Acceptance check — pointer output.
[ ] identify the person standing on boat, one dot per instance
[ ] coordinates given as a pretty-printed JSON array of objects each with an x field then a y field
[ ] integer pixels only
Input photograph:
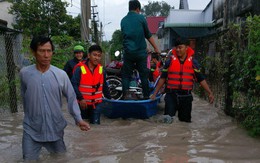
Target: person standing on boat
[
  {"x": 180, "y": 71},
  {"x": 78, "y": 57},
  {"x": 42, "y": 88},
  {"x": 135, "y": 30},
  {"x": 88, "y": 81}
]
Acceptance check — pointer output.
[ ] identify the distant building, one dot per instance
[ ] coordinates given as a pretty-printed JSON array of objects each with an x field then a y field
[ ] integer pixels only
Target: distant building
[
  {"x": 186, "y": 23},
  {"x": 184, "y": 4},
  {"x": 154, "y": 22},
  {"x": 10, "y": 40},
  {"x": 4, "y": 15},
  {"x": 204, "y": 28},
  {"x": 197, "y": 25}
]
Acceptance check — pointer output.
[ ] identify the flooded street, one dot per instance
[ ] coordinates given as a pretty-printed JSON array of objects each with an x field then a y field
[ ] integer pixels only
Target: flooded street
[{"x": 212, "y": 137}]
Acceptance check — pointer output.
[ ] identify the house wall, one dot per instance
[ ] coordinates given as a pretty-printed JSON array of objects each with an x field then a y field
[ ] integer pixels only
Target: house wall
[
  {"x": 238, "y": 9},
  {"x": 234, "y": 11},
  {"x": 4, "y": 15},
  {"x": 179, "y": 17},
  {"x": 218, "y": 8},
  {"x": 184, "y": 16},
  {"x": 208, "y": 13}
]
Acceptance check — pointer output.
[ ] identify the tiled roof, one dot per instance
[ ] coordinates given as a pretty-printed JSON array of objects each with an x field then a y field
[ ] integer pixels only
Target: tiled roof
[{"x": 153, "y": 23}]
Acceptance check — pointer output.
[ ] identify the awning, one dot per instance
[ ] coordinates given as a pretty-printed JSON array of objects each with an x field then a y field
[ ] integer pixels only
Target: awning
[
  {"x": 197, "y": 25},
  {"x": 188, "y": 30},
  {"x": 192, "y": 32}
]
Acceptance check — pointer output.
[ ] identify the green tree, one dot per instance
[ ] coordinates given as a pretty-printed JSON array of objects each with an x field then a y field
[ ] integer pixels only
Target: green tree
[
  {"x": 72, "y": 27},
  {"x": 38, "y": 17},
  {"x": 156, "y": 9},
  {"x": 116, "y": 43}
]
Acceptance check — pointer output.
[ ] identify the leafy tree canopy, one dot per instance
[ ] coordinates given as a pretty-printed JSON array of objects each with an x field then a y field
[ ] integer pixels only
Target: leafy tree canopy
[
  {"x": 39, "y": 17},
  {"x": 72, "y": 27},
  {"x": 156, "y": 9},
  {"x": 116, "y": 43}
]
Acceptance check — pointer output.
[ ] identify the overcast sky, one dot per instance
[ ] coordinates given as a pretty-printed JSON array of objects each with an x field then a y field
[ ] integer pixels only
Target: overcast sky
[{"x": 110, "y": 12}]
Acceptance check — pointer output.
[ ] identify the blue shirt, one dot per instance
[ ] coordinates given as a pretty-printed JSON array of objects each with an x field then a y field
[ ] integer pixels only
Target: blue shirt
[{"x": 42, "y": 101}]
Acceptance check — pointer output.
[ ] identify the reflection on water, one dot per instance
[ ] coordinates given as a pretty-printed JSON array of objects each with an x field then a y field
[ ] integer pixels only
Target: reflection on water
[
  {"x": 205, "y": 159},
  {"x": 212, "y": 137}
]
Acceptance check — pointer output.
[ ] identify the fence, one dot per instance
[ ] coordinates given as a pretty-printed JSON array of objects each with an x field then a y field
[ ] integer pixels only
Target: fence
[{"x": 11, "y": 61}]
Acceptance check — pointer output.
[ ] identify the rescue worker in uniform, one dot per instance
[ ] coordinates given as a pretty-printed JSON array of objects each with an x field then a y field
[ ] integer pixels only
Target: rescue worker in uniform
[
  {"x": 180, "y": 72},
  {"x": 78, "y": 57},
  {"x": 88, "y": 81},
  {"x": 156, "y": 65}
]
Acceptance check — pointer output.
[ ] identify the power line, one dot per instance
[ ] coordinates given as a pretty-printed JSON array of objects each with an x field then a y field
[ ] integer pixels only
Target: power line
[
  {"x": 75, "y": 2},
  {"x": 71, "y": 4},
  {"x": 73, "y": 12},
  {"x": 94, "y": 4}
]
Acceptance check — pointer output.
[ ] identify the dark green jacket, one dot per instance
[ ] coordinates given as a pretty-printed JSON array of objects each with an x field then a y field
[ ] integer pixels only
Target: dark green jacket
[{"x": 134, "y": 30}]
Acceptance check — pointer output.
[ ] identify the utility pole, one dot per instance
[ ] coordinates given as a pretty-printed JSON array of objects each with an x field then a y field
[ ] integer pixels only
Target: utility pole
[
  {"x": 85, "y": 20},
  {"x": 94, "y": 15},
  {"x": 102, "y": 27},
  {"x": 101, "y": 33}
]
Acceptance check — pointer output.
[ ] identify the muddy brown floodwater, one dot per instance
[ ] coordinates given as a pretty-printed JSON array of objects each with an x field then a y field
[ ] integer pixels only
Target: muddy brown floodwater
[{"x": 212, "y": 137}]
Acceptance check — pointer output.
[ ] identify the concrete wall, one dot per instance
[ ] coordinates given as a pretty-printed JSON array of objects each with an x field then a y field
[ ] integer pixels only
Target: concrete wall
[
  {"x": 208, "y": 13},
  {"x": 234, "y": 11}
]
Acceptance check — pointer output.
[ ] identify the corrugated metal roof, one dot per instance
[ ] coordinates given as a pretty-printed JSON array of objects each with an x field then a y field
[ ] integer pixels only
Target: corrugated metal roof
[{"x": 184, "y": 16}]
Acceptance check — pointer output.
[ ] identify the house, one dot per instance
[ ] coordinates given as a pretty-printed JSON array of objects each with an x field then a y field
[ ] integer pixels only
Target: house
[
  {"x": 191, "y": 24},
  {"x": 10, "y": 40},
  {"x": 154, "y": 22},
  {"x": 233, "y": 11},
  {"x": 197, "y": 25},
  {"x": 4, "y": 15}
]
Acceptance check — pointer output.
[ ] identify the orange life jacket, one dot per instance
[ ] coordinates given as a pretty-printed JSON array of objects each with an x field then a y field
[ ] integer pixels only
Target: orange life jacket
[
  {"x": 156, "y": 71},
  {"x": 78, "y": 65},
  {"x": 91, "y": 84},
  {"x": 181, "y": 76}
]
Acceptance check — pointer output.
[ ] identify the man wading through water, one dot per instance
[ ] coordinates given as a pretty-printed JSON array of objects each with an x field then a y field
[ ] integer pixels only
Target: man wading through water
[
  {"x": 180, "y": 71},
  {"x": 42, "y": 88},
  {"x": 89, "y": 83}
]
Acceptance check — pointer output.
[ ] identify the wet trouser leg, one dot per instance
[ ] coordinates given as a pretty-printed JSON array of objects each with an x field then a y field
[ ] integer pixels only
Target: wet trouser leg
[
  {"x": 141, "y": 66},
  {"x": 31, "y": 148},
  {"x": 138, "y": 61},
  {"x": 185, "y": 107},
  {"x": 95, "y": 114},
  {"x": 127, "y": 71},
  {"x": 170, "y": 104},
  {"x": 85, "y": 113}
]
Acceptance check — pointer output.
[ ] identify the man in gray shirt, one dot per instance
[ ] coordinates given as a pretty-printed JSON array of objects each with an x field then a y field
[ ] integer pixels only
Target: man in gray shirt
[{"x": 42, "y": 88}]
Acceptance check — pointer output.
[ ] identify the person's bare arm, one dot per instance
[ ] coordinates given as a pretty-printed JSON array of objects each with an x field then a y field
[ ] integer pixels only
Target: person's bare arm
[
  {"x": 157, "y": 88},
  {"x": 205, "y": 85},
  {"x": 84, "y": 126},
  {"x": 152, "y": 42}
]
